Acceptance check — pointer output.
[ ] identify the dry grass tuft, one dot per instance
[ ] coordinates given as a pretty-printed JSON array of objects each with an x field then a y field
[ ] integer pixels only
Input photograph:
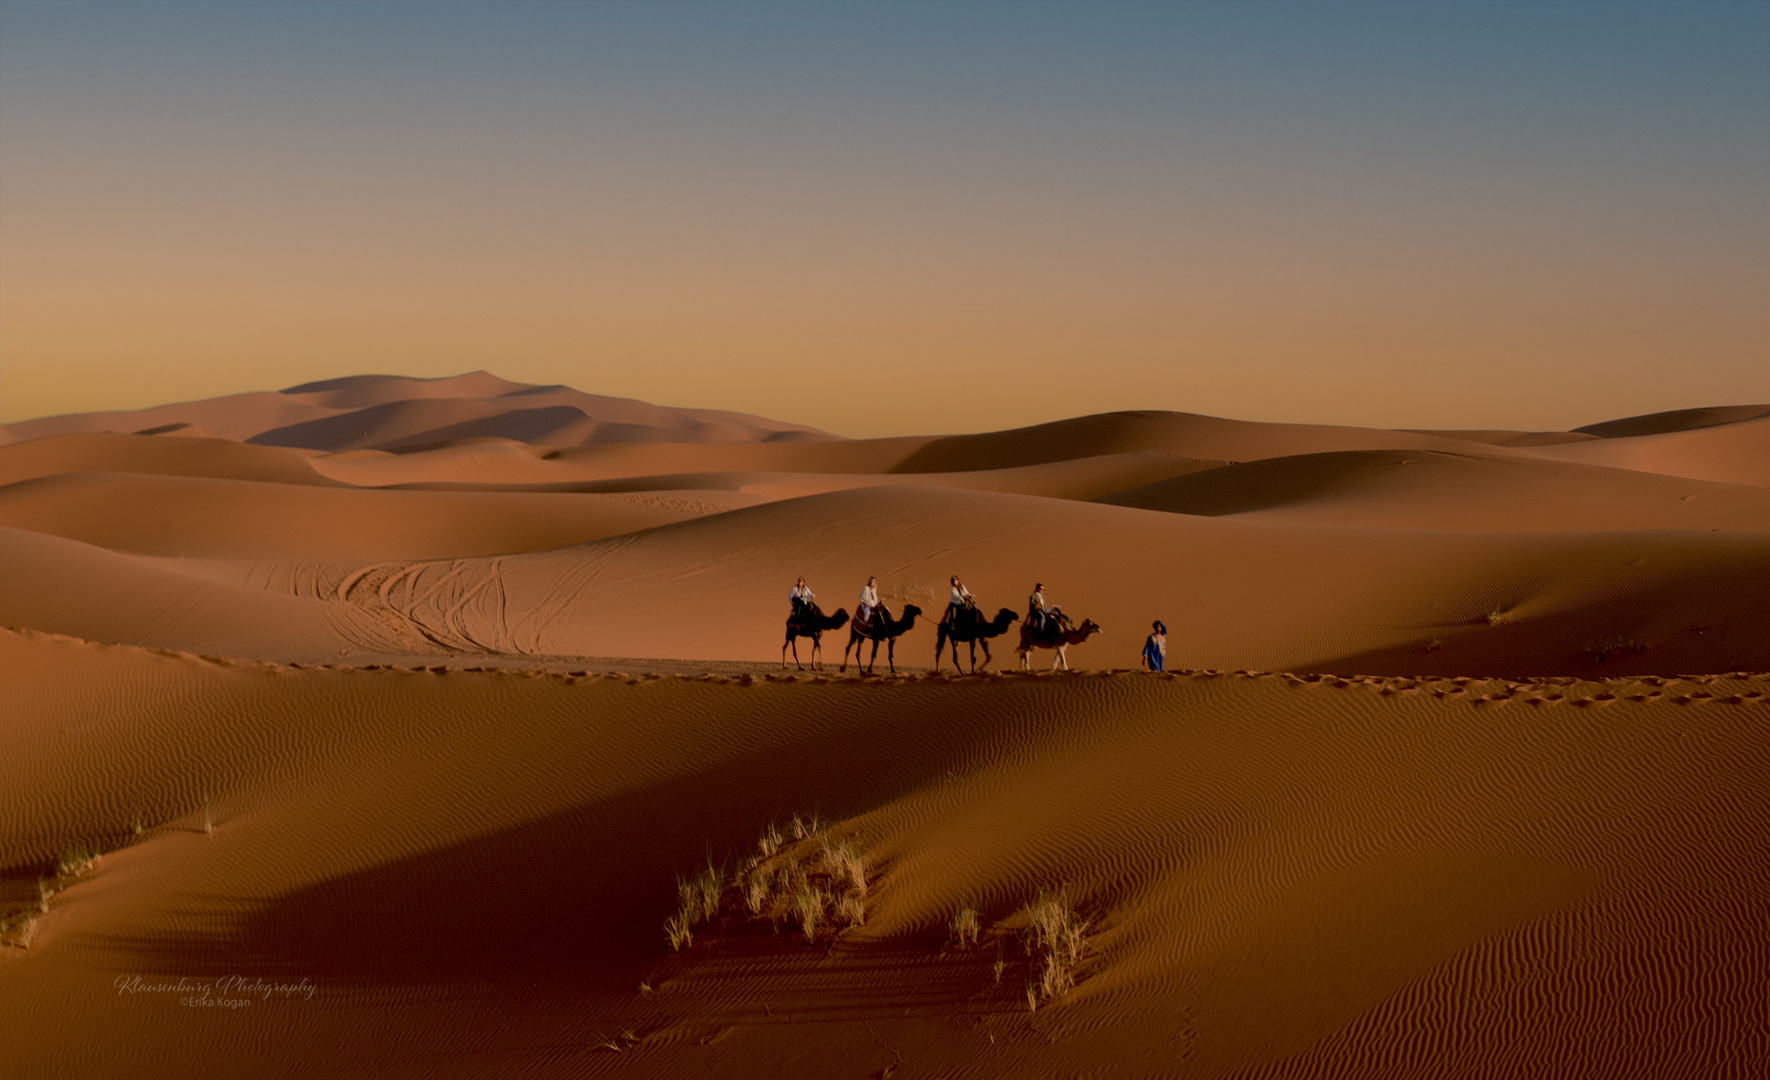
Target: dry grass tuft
[
  {"x": 18, "y": 928},
  {"x": 966, "y": 925},
  {"x": 679, "y": 933},
  {"x": 1054, "y": 939},
  {"x": 806, "y": 827},
  {"x": 75, "y": 860},
  {"x": 811, "y": 881}
]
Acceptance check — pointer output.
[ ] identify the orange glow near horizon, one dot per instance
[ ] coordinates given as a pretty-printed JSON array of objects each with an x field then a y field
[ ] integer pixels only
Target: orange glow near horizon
[{"x": 874, "y": 269}]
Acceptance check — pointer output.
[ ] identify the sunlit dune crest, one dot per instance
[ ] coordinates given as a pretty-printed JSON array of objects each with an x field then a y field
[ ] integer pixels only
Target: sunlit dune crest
[{"x": 424, "y": 705}]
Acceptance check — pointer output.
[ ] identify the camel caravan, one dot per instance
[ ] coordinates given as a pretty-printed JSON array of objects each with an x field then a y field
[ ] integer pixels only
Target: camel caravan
[{"x": 1045, "y": 627}]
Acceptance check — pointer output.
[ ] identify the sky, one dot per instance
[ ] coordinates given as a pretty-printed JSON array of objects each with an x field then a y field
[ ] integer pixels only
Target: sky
[{"x": 896, "y": 218}]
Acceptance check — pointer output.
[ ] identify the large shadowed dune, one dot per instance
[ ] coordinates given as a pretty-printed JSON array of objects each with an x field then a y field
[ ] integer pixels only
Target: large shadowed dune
[
  {"x": 1676, "y": 420},
  {"x": 1181, "y": 434}
]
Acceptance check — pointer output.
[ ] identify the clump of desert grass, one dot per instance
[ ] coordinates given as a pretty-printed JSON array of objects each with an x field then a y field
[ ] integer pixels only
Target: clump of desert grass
[
  {"x": 804, "y": 878},
  {"x": 76, "y": 860},
  {"x": 697, "y": 901},
  {"x": 18, "y": 922},
  {"x": 1055, "y": 937},
  {"x": 17, "y": 928},
  {"x": 965, "y": 925}
]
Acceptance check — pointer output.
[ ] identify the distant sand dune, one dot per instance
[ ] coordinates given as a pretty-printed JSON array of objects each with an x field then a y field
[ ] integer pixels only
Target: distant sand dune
[
  {"x": 1421, "y": 489},
  {"x": 218, "y": 458},
  {"x": 381, "y": 410},
  {"x": 201, "y": 517}
]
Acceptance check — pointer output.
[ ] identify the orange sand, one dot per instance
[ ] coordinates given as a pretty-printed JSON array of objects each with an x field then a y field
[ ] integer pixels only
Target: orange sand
[{"x": 460, "y": 684}]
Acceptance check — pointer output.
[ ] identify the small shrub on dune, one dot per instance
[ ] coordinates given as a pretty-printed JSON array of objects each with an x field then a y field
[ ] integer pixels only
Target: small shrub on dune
[
  {"x": 17, "y": 929},
  {"x": 843, "y": 861},
  {"x": 678, "y": 932},
  {"x": 697, "y": 902},
  {"x": 758, "y": 886},
  {"x": 966, "y": 925},
  {"x": 811, "y": 881},
  {"x": 851, "y": 910},
  {"x": 809, "y": 903},
  {"x": 75, "y": 860},
  {"x": 708, "y": 886},
  {"x": 1054, "y": 939}
]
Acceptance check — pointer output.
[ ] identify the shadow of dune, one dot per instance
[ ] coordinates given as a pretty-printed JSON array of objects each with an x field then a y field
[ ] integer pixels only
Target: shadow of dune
[
  {"x": 1682, "y": 625},
  {"x": 580, "y": 894}
]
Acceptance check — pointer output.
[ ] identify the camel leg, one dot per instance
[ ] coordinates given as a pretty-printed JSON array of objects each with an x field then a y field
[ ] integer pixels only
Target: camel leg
[
  {"x": 986, "y": 657},
  {"x": 891, "y": 654},
  {"x": 939, "y": 644},
  {"x": 1061, "y": 659},
  {"x": 817, "y": 653},
  {"x": 794, "y": 642}
]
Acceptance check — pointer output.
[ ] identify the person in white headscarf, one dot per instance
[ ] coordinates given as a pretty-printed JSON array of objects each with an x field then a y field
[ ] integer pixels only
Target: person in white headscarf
[
  {"x": 958, "y": 598},
  {"x": 800, "y": 597},
  {"x": 869, "y": 602}
]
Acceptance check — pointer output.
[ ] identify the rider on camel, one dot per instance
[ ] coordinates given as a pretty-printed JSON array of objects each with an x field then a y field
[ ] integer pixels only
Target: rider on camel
[
  {"x": 801, "y": 598},
  {"x": 1040, "y": 616},
  {"x": 869, "y": 603},
  {"x": 958, "y": 599},
  {"x": 1036, "y": 611}
]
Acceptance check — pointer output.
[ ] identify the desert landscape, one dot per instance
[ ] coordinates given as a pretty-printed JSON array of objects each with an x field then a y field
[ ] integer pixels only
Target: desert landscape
[{"x": 387, "y": 726}]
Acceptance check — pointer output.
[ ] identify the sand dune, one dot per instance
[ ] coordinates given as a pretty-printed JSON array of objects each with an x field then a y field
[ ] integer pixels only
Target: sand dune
[
  {"x": 1676, "y": 420},
  {"x": 1181, "y": 434},
  {"x": 421, "y": 716},
  {"x": 91, "y": 592},
  {"x": 1734, "y": 453},
  {"x": 376, "y": 411},
  {"x": 218, "y": 458},
  {"x": 507, "y": 462},
  {"x": 202, "y": 517},
  {"x": 1421, "y": 489},
  {"x": 1234, "y": 594}
]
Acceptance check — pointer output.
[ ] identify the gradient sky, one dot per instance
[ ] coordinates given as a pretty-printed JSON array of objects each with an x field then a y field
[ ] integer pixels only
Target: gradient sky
[{"x": 896, "y": 218}]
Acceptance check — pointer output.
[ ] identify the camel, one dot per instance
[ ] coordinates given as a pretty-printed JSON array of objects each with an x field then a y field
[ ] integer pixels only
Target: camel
[
  {"x": 812, "y": 624},
  {"x": 880, "y": 628},
  {"x": 969, "y": 626},
  {"x": 1053, "y": 636}
]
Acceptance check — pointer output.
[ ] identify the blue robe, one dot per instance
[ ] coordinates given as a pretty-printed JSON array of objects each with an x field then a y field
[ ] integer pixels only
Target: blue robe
[{"x": 1153, "y": 653}]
